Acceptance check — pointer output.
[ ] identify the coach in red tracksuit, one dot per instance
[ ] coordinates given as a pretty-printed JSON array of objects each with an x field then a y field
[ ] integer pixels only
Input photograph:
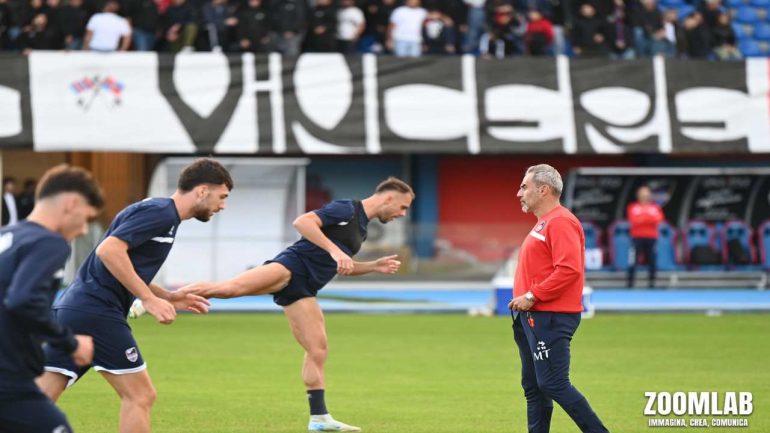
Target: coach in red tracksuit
[
  {"x": 644, "y": 215},
  {"x": 548, "y": 290}
]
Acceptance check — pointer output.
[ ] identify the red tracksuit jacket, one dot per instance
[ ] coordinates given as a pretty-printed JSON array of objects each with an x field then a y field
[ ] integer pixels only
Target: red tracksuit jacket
[{"x": 552, "y": 263}]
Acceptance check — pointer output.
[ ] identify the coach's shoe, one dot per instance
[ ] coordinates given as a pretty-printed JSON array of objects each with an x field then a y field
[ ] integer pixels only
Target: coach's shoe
[{"x": 327, "y": 423}]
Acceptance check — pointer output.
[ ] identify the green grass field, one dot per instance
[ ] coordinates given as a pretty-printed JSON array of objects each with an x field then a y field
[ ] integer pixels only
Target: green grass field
[{"x": 425, "y": 373}]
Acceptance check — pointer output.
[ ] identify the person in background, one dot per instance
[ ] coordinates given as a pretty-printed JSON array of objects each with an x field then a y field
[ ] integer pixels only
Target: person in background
[
  {"x": 644, "y": 216},
  {"x": 350, "y": 26}
]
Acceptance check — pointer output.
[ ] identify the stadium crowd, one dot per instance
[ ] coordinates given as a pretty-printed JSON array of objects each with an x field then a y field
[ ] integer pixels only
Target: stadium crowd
[{"x": 624, "y": 29}]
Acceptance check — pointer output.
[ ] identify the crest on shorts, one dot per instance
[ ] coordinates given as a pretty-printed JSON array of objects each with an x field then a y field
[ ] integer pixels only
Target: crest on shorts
[
  {"x": 132, "y": 354},
  {"x": 540, "y": 227}
]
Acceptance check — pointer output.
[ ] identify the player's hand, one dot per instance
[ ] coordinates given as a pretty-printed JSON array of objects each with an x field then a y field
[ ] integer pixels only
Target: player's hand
[
  {"x": 387, "y": 265},
  {"x": 84, "y": 354},
  {"x": 160, "y": 309},
  {"x": 345, "y": 264},
  {"x": 189, "y": 302},
  {"x": 520, "y": 303},
  {"x": 202, "y": 289}
]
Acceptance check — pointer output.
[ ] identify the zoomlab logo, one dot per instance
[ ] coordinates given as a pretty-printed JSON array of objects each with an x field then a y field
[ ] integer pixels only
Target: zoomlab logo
[
  {"x": 699, "y": 406},
  {"x": 88, "y": 90}
]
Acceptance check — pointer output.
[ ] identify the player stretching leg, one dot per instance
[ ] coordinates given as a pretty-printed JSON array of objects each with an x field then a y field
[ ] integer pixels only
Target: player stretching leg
[{"x": 330, "y": 237}]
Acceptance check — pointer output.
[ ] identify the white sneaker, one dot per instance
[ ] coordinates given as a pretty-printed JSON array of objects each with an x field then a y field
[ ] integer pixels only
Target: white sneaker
[{"x": 327, "y": 423}]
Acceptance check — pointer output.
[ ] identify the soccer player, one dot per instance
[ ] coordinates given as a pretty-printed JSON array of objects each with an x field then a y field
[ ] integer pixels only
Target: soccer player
[
  {"x": 121, "y": 269},
  {"x": 32, "y": 257},
  {"x": 548, "y": 289},
  {"x": 331, "y": 235},
  {"x": 644, "y": 217}
]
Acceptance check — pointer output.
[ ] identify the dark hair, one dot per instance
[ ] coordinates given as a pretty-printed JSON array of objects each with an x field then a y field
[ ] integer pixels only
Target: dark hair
[
  {"x": 8, "y": 179},
  {"x": 204, "y": 171},
  {"x": 394, "y": 184},
  {"x": 65, "y": 178}
]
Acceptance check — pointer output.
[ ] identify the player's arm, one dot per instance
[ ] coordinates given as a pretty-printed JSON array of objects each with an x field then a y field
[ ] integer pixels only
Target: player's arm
[
  {"x": 113, "y": 252},
  {"x": 383, "y": 265},
  {"x": 181, "y": 300},
  {"x": 27, "y": 300},
  {"x": 309, "y": 226}
]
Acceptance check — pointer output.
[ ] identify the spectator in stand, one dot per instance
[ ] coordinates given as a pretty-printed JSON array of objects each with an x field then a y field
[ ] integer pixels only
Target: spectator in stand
[
  {"x": 588, "y": 33},
  {"x": 322, "y": 28},
  {"x": 289, "y": 20},
  {"x": 405, "y": 29},
  {"x": 28, "y": 11},
  {"x": 620, "y": 34},
  {"x": 558, "y": 16},
  {"x": 644, "y": 216},
  {"x": 25, "y": 201},
  {"x": 539, "y": 35},
  {"x": 475, "y": 22},
  {"x": 10, "y": 209},
  {"x": 253, "y": 28},
  {"x": 711, "y": 10},
  {"x": 53, "y": 13},
  {"x": 505, "y": 37},
  {"x": 724, "y": 39},
  {"x": 377, "y": 15},
  {"x": 350, "y": 26},
  {"x": 219, "y": 22},
  {"x": 107, "y": 31},
  {"x": 181, "y": 26},
  {"x": 6, "y": 22},
  {"x": 144, "y": 18},
  {"x": 73, "y": 24},
  {"x": 39, "y": 36},
  {"x": 698, "y": 37},
  {"x": 653, "y": 37},
  {"x": 675, "y": 40},
  {"x": 438, "y": 33}
]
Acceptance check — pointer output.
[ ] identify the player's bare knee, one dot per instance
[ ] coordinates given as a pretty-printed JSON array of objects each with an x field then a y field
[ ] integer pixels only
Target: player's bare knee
[
  {"x": 144, "y": 398},
  {"x": 318, "y": 355}
]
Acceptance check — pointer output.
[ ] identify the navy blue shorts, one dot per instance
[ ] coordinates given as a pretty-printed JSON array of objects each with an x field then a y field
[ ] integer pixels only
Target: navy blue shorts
[
  {"x": 27, "y": 410},
  {"x": 115, "y": 350},
  {"x": 300, "y": 286}
]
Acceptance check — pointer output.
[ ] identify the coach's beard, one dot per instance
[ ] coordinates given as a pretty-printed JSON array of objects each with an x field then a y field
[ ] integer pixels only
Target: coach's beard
[{"x": 524, "y": 207}]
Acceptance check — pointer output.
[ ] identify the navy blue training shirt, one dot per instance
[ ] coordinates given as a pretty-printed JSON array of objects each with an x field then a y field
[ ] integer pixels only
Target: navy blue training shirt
[
  {"x": 149, "y": 228},
  {"x": 314, "y": 261},
  {"x": 32, "y": 262}
]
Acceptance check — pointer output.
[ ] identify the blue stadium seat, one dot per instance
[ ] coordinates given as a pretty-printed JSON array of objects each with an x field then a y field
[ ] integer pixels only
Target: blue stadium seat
[
  {"x": 735, "y": 3},
  {"x": 671, "y": 4},
  {"x": 746, "y": 14},
  {"x": 619, "y": 237},
  {"x": 593, "y": 235},
  {"x": 765, "y": 4},
  {"x": 750, "y": 48},
  {"x": 698, "y": 234},
  {"x": 740, "y": 31},
  {"x": 683, "y": 11},
  {"x": 763, "y": 239},
  {"x": 666, "y": 247},
  {"x": 740, "y": 231},
  {"x": 762, "y": 32}
]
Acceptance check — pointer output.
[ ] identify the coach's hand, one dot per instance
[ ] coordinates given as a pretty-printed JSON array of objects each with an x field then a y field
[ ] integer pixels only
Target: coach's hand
[
  {"x": 345, "y": 264},
  {"x": 160, "y": 309},
  {"x": 84, "y": 354},
  {"x": 520, "y": 304},
  {"x": 387, "y": 265},
  {"x": 189, "y": 302}
]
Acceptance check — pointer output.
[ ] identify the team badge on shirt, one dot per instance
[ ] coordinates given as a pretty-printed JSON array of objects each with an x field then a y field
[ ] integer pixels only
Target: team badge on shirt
[
  {"x": 540, "y": 227},
  {"x": 132, "y": 354}
]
